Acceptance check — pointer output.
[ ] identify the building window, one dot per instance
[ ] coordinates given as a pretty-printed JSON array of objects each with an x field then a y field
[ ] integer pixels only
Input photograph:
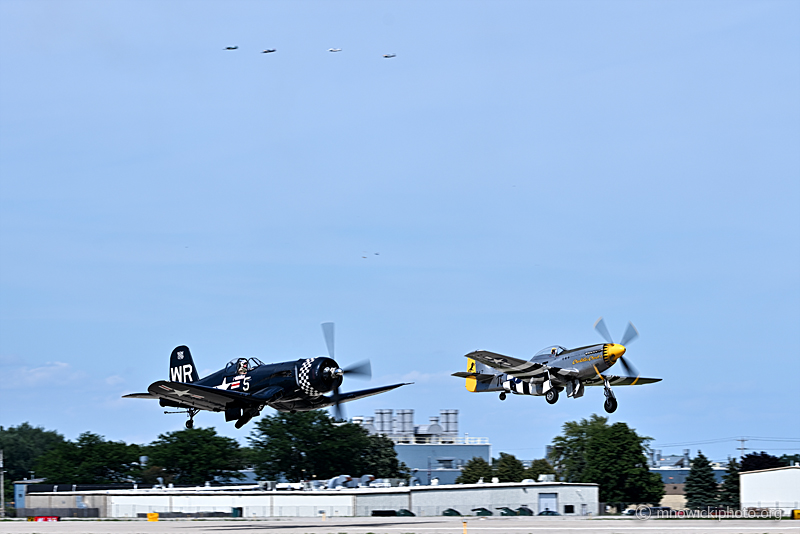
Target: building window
[{"x": 569, "y": 509}]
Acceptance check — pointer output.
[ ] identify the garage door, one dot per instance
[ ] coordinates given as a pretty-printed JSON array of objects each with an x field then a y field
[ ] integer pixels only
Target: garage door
[{"x": 548, "y": 501}]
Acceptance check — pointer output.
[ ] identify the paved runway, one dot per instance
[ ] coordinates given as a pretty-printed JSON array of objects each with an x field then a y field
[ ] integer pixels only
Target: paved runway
[{"x": 410, "y": 525}]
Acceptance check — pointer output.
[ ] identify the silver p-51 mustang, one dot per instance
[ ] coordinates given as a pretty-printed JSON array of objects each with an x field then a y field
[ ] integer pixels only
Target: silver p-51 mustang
[{"x": 554, "y": 369}]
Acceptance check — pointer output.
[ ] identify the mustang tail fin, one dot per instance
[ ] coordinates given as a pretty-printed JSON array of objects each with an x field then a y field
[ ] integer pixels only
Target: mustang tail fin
[
  {"x": 478, "y": 374},
  {"x": 181, "y": 365},
  {"x": 480, "y": 377}
]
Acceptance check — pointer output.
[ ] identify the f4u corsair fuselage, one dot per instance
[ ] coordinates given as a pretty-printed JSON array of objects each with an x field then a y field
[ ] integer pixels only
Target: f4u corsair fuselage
[
  {"x": 245, "y": 386},
  {"x": 552, "y": 370}
]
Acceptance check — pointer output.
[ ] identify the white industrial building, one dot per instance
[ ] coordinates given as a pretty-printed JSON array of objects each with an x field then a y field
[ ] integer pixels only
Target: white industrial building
[
  {"x": 566, "y": 498},
  {"x": 771, "y": 488}
]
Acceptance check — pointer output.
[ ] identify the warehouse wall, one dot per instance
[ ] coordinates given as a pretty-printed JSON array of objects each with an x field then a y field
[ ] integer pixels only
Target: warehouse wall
[
  {"x": 422, "y": 500},
  {"x": 771, "y": 488}
]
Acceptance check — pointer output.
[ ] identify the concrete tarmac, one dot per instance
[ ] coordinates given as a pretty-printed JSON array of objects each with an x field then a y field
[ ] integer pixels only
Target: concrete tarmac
[{"x": 408, "y": 525}]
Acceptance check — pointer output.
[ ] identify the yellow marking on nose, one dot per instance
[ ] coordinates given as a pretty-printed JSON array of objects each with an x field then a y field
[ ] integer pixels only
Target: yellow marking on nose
[{"x": 613, "y": 351}]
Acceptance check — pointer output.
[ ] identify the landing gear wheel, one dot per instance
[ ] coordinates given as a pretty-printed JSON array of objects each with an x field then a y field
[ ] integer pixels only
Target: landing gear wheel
[
  {"x": 190, "y": 424},
  {"x": 503, "y": 396},
  {"x": 610, "y": 405},
  {"x": 551, "y": 396}
]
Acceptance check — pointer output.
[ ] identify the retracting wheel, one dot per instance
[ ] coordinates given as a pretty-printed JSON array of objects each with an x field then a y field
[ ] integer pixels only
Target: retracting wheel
[
  {"x": 610, "y": 405},
  {"x": 191, "y": 412},
  {"x": 551, "y": 396},
  {"x": 503, "y": 396},
  {"x": 611, "y": 401}
]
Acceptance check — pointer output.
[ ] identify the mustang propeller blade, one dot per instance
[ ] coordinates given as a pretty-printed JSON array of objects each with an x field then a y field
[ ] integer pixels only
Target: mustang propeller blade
[
  {"x": 629, "y": 368},
  {"x": 630, "y": 334},
  {"x": 600, "y": 326}
]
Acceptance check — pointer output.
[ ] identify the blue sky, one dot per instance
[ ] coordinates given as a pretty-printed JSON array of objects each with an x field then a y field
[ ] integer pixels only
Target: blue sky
[{"x": 520, "y": 169}]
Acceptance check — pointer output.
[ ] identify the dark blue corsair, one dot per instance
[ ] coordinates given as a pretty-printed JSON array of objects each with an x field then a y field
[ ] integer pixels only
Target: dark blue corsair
[{"x": 245, "y": 386}]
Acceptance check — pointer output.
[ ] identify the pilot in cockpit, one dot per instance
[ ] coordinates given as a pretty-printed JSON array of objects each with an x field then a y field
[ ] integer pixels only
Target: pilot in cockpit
[
  {"x": 241, "y": 366},
  {"x": 553, "y": 352}
]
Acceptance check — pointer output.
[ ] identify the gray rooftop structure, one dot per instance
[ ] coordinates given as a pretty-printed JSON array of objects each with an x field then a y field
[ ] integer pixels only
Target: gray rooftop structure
[{"x": 434, "y": 452}]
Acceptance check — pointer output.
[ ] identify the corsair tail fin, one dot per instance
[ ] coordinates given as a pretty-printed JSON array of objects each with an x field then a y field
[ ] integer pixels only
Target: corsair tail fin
[{"x": 181, "y": 365}]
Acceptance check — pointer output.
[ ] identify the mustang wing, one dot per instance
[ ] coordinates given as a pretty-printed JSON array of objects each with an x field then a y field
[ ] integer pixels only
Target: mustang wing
[
  {"x": 620, "y": 380},
  {"x": 516, "y": 367},
  {"x": 196, "y": 396}
]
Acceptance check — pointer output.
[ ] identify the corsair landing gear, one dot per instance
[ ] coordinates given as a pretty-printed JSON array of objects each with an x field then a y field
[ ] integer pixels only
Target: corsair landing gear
[
  {"x": 610, "y": 405},
  {"x": 190, "y": 423},
  {"x": 503, "y": 396},
  {"x": 551, "y": 396},
  {"x": 246, "y": 416}
]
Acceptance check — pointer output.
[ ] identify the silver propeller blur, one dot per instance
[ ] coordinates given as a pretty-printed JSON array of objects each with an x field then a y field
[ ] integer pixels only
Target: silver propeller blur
[
  {"x": 630, "y": 334},
  {"x": 327, "y": 331},
  {"x": 600, "y": 326},
  {"x": 362, "y": 369}
]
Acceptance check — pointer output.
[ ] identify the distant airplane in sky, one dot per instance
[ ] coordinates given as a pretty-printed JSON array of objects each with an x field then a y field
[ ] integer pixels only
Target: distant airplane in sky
[
  {"x": 231, "y": 47},
  {"x": 334, "y": 50},
  {"x": 387, "y": 56},
  {"x": 268, "y": 51}
]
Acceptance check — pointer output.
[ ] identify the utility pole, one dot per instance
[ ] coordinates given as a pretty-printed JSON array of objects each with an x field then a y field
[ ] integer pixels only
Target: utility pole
[
  {"x": 2, "y": 487},
  {"x": 741, "y": 448}
]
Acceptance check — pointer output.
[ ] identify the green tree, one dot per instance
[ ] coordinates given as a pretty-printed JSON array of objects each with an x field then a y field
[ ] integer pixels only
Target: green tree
[
  {"x": 568, "y": 454},
  {"x": 22, "y": 446},
  {"x": 380, "y": 459},
  {"x": 701, "y": 489},
  {"x": 249, "y": 457},
  {"x": 508, "y": 469},
  {"x": 292, "y": 445},
  {"x": 756, "y": 461},
  {"x": 89, "y": 460},
  {"x": 303, "y": 445},
  {"x": 195, "y": 456},
  {"x": 729, "y": 496},
  {"x": 617, "y": 461},
  {"x": 539, "y": 467},
  {"x": 474, "y": 470}
]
